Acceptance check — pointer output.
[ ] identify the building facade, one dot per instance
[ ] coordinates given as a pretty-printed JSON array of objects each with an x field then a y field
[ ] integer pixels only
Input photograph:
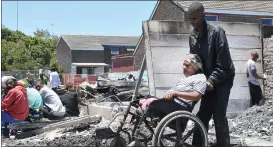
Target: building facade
[
  {"x": 260, "y": 12},
  {"x": 85, "y": 54}
]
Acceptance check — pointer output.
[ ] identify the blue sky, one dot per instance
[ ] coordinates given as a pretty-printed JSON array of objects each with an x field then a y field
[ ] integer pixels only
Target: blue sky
[{"x": 120, "y": 18}]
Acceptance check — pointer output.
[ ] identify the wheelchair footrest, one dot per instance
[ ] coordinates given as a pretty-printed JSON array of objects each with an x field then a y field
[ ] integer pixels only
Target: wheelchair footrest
[{"x": 105, "y": 133}]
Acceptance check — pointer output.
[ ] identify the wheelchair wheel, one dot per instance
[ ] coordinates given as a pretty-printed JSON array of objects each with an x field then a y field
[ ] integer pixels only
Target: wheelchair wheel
[{"x": 180, "y": 127}]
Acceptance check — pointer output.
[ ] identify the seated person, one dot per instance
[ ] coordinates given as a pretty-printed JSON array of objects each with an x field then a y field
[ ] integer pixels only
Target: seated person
[
  {"x": 34, "y": 100},
  {"x": 71, "y": 101},
  {"x": 182, "y": 95},
  {"x": 86, "y": 87},
  {"x": 43, "y": 78},
  {"x": 15, "y": 104},
  {"x": 53, "y": 108},
  {"x": 130, "y": 78}
]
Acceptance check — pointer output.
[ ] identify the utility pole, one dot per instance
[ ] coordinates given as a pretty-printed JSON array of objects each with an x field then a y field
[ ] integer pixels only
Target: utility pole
[
  {"x": 52, "y": 25},
  {"x": 17, "y": 15}
]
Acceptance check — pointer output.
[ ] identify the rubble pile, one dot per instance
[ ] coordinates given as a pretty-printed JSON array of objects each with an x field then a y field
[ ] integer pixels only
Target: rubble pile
[{"x": 257, "y": 121}]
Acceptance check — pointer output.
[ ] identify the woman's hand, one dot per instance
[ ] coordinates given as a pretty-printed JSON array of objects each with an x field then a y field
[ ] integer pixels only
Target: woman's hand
[{"x": 170, "y": 95}]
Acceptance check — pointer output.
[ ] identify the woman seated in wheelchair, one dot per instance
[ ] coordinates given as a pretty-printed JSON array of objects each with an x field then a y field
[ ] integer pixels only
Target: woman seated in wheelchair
[{"x": 183, "y": 94}]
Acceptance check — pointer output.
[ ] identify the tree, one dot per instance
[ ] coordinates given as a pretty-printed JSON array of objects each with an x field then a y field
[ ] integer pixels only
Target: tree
[
  {"x": 42, "y": 33},
  {"x": 22, "y": 52}
]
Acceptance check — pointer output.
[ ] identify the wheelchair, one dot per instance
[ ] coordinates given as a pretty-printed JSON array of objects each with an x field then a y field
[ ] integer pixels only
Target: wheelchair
[{"x": 179, "y": 126}]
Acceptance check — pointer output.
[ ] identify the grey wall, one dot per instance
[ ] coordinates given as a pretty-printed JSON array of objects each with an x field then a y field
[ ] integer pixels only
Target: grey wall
[
  {"x": 166, "y": 43},
  {"x": 166, "y": 10},
  {"x": 64, "y": 56},
  {"x": 268, "y": 66},
  {"x": 87, "y": 56}
]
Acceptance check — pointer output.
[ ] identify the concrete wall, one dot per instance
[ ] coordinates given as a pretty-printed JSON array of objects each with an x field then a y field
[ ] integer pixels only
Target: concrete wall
[
  {"x": 268, "y": 66},
  {"x": 166, "y": 10},
  {"x": 64, "y": 56},
  {"x": 166, "y": 43}
]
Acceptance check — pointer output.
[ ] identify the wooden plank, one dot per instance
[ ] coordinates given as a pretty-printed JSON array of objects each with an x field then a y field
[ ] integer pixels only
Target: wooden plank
[
  {"x": 184, "y": 27},
  {"x": 242, "y": 29},
  {"x": 243, "y": 54},
  {"x": 169, "y": 27},
  {"x": 168, "y": 80},
  {"x": 182, "y": 40},
  {"x": 237, "y": 92},
  {"x": 169, "y": 53}
]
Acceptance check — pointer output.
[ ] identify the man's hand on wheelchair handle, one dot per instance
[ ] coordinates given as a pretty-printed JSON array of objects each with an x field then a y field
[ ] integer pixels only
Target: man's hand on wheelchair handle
[{"x": 209, "y": 86}]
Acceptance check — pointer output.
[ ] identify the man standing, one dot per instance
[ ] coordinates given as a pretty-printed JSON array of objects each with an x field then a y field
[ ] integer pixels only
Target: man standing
[
  {"x": 210, "y": 43},
  {"x": 254, "y": 86},
  {"x": 54, "y": 80}
]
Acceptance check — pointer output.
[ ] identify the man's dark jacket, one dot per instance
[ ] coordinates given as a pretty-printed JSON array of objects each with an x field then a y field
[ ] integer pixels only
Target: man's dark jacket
[{"x": 213, "y": 49}]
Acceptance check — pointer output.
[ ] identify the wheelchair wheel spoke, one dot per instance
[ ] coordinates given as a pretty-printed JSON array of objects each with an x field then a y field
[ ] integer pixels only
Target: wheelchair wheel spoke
[
  {"x": 189, "y": 133},
  {"x": 178, "y": 129}
]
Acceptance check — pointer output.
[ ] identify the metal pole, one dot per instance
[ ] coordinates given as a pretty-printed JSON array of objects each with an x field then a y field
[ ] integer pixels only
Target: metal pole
[
  {"x": 17, "y": 15},
  {"x": 142, "y": 68},
  {"x": 52, "y": 29}
]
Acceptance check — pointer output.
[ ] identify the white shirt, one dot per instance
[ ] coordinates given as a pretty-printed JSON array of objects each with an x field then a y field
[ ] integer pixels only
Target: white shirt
[
  {"x": 53, "y": 101},
  {"x": 192, "y": 83},
  {"x": 54, "y": 80},
  {"x": 250, "y": 65}
]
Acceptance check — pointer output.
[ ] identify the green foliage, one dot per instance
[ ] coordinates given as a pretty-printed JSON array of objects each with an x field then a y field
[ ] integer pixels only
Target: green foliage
[{"x": 22, "y": 52}]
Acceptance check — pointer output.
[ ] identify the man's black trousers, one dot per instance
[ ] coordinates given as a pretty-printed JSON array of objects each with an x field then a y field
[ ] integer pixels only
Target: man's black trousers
[
  {"x": 255, "y": 94},
  {"x": 214, "y": 103}
]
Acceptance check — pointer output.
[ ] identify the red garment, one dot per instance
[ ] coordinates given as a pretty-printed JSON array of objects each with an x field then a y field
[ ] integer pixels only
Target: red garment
[{"x": 16, "y": 103}]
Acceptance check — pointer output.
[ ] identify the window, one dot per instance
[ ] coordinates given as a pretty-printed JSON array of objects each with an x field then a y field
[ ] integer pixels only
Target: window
[
  {"x": 267, "y": 21},
  {"x": 130, "y": 49},
  {"x": 114, "y": 51},
  {"x": 87, "y": 70},
  {"x": 211, "y": 17}
]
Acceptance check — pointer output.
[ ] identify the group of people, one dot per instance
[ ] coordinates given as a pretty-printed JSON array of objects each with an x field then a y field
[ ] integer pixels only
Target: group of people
[
  {"x": 26, "y": 100},
  {"x": 209, "y": 73}
]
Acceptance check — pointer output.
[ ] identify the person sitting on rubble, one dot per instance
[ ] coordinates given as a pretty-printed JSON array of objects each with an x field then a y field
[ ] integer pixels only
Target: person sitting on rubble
[
  {"x": 34, "y": 100},
  {"x": 71, "y": 100},
  {"x": 15, "y": 104},
  {"x": 53, "y": 108},
  {"x": 183, "y": 94},
  {"x": 86, "y": 89},
  {"x": 43, "y": 78}
]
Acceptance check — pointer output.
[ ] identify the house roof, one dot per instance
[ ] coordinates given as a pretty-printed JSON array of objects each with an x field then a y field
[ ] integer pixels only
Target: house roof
[
  {"x": 95, "y": 42},
  {"x": 254, "y": 6}
]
